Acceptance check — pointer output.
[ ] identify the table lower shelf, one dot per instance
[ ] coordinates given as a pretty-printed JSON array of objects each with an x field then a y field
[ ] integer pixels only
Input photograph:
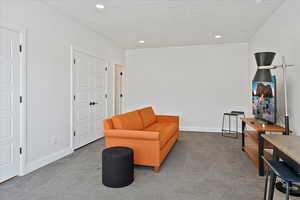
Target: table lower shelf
[
  {"x": 252, "y": 152},
  {"x": 253, "y": 136}
]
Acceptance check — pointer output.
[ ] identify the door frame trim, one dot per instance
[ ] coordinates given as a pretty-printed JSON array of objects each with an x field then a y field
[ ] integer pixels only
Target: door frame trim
[
  {"x": 24, "y": 106},
  {"x": 74, "y": 49}
]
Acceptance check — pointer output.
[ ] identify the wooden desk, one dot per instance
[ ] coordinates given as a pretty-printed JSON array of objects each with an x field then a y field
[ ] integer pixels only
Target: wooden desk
[
  {"x": 288, "y": 149},
  {"x": 255, "y": 151},
  {"x": 288, "y": 145}
]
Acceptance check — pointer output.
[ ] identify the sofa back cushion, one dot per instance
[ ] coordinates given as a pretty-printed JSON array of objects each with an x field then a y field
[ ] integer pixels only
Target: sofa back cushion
[
  {"x": 148, "y": 116},
  {"x": 128, "y": 121}
]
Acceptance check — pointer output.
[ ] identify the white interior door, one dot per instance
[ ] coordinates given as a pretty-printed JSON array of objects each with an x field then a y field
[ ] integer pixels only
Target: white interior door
[
  {"x": 99, "y": 109},
  {"x": 118, "y": 89},
  {"x": 89, "y": 98},
  {"x": 9, "y": 104}
]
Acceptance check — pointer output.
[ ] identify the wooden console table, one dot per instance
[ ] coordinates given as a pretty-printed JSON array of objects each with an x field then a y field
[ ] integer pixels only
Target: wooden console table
[{"x": 258, "y": 147}]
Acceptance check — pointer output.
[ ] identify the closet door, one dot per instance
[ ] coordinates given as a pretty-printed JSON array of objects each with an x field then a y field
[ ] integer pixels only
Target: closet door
[
  {"x": 118, "y": 89},
  {"x": 100, "y": 108},
  {"x": 89, "y": 98},
  {"x": 9, "y": 104}
]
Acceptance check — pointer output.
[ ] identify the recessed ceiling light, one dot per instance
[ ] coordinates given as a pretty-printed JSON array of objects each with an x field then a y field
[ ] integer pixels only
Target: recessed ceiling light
[
  {"x": 100, "y": 6},
  {"x": 141, "y": 41},
  {"x": 218, "y": 36}
]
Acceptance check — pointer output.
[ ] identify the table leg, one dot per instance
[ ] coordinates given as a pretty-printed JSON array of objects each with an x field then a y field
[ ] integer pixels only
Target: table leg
[
  {"x": 243, "y": 135},
  {"x": 275, "y": 154},
  {"x": 266, "y": 185},
  {"x": 272, "y": 185},
  {"x": 237, "y": 126},
  {"x": 273, "y": 178},
  {"x": 261, "y": 167}
]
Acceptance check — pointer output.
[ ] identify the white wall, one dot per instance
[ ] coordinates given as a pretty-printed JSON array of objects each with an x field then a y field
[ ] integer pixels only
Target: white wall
[
  {"x": 49, "y": 37},
  {"x": 281, "y": 34},
  {"x": 198, "y": 83}
]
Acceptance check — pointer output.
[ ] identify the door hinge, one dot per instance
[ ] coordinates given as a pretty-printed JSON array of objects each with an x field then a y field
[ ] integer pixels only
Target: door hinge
[
  {"x": 106, "y": 68},
  {"x": 74, "y": 97},
  {"x": 74, "y": 133},
  {"x": 74, "y": 61},
  {"x": 21, "y": 150},
  {"x": 20, "y": 48},
  {"x": 21, "y": 99},
  {"x": 106, "y": 96}
]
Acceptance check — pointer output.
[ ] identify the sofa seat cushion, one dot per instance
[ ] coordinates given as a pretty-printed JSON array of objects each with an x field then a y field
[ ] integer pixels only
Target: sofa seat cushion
[
  {"x": 128, "y": 121},
  {"x": 148, "y": 116},
  {"x": 166, "y": 131}
]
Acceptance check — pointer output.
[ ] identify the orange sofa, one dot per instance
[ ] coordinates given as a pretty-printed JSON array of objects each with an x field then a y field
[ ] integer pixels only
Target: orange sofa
[{"x": 150, "y": 136}]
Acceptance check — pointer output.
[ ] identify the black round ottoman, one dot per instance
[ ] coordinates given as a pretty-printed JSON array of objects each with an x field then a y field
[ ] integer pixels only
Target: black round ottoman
[{"x": 117, "y": 167}]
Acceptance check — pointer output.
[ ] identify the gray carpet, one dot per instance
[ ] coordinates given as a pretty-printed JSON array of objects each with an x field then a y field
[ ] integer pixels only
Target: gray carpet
[{"x": 200, "y": 166}]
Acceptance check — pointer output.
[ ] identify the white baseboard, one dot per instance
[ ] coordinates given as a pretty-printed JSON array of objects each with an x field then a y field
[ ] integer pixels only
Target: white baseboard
[
  {"x": 200, "y": 129},
  {"x": 47, "y": 160}
]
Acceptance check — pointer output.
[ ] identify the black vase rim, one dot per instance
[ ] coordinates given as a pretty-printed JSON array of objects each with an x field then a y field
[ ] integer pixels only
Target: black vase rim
[{"x": 271, "y": 52}]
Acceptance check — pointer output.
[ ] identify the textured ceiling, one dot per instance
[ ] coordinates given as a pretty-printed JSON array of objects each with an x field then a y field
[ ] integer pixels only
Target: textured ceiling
[{"x": 170, "y": 22}]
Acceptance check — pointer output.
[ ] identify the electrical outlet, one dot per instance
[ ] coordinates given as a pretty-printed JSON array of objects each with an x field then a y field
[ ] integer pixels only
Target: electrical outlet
[{"x": 55, "y": 140}]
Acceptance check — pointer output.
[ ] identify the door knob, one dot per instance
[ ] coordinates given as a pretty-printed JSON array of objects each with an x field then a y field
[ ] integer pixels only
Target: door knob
[{"x": 93, "y": 103}]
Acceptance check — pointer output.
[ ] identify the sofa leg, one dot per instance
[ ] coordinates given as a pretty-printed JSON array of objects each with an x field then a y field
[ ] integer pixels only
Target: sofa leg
[{"x": 157, "y": 169}]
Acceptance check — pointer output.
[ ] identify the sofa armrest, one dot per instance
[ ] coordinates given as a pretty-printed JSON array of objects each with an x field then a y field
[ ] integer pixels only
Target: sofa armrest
[
  {"x": 167, "y": 118},
  {"x": 142, "y": 135}
]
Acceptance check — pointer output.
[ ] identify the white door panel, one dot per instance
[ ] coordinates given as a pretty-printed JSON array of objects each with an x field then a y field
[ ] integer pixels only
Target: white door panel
[
  {"x": 118, "y": 89},
  {"x": 90, "y": 101},
  {"x": 92, "y": 87},
  {"x": 82, "y": 100},
  {"x": 9, "y": 104},
  {"x": 101, "y": 101}
]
